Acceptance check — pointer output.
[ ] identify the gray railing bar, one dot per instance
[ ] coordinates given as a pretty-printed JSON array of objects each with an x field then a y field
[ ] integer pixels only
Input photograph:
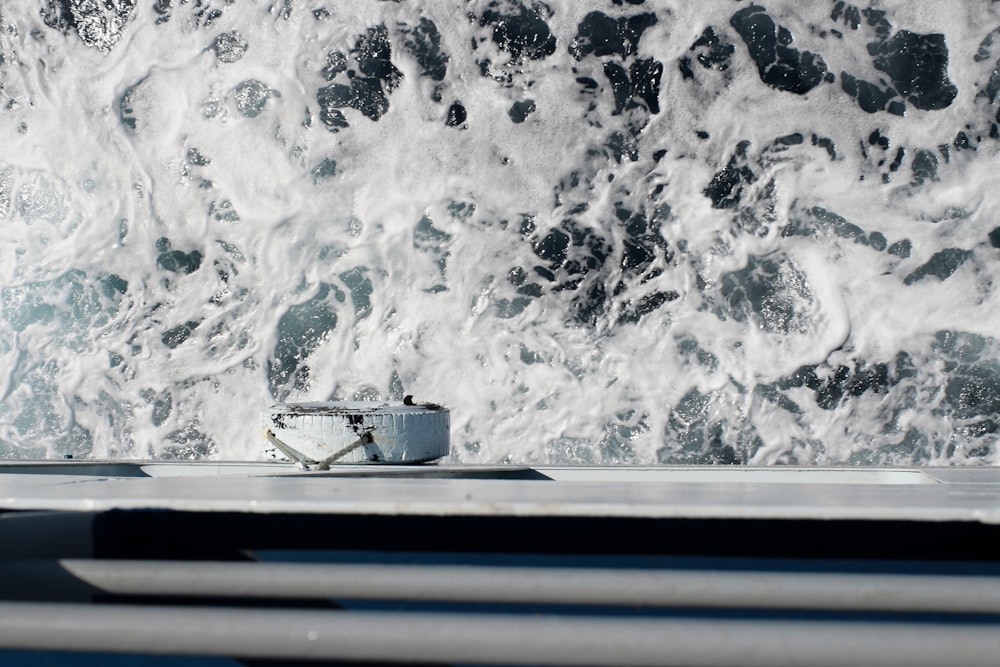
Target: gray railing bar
[
  {"x": 20, "y": 579},
  {"x": 489, "y": 638}
]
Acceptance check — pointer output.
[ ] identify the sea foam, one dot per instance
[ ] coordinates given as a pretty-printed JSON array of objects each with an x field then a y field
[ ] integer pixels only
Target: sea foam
[{"x": 622, "y": 232}]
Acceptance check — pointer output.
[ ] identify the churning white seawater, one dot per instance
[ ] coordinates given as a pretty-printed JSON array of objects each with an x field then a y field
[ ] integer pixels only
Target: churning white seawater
[{"x": 614, "y": 232}]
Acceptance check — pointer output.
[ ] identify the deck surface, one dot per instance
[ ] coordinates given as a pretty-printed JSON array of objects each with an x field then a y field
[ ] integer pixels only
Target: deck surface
[{"x": 918, "y": 494}]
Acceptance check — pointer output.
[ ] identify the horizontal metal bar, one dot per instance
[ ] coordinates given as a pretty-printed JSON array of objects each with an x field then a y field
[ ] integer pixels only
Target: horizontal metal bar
[
  {"x": 489, "y": 638},
  {"x": 28, "y": 580}
]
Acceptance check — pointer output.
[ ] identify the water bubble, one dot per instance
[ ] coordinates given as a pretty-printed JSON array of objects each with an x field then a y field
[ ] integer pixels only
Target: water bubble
[
  {"x": 251, "y": 96},
  {"x": 230, "y": 47}
]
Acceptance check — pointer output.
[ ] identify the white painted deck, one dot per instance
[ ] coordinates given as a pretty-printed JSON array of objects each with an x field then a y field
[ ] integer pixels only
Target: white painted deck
[{"x": 918, "y": 494}]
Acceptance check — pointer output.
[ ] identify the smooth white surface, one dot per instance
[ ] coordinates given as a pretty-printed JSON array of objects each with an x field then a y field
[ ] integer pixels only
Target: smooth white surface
[
  {"x": 742, "y": 475},
  {"x": 657, "y": 492}
]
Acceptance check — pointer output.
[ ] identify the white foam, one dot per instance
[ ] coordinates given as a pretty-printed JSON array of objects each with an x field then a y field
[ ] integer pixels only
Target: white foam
[{"x": 295, "y": 232}]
